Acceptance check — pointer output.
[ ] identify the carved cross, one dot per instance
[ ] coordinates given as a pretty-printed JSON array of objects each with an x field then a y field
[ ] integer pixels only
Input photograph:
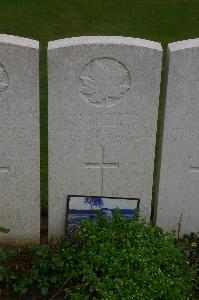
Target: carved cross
[
  {"x": 4, "y": 169},
  {"x": 194, "y": 169},
  {"x": 101, "y": 166}
]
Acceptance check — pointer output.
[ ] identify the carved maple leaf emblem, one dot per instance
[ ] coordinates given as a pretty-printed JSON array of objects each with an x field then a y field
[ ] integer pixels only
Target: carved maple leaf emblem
[
  {"x": 104, "y": 81},
  {"x": 3, "y": 78}
]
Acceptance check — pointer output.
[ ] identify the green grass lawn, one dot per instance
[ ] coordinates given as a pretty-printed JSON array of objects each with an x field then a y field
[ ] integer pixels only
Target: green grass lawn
[{"x": 44, "y": 20}]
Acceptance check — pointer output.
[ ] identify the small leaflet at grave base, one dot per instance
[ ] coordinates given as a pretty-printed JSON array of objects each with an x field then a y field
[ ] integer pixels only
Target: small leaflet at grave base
[{"x": 83, "y": 207}]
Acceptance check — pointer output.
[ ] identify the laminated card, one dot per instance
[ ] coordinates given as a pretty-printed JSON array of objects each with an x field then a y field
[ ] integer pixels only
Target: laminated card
[
  {"x": 19, "y": 140},
  {"x": 87, "y": 207},
  {"x": 103, "y": 105}
]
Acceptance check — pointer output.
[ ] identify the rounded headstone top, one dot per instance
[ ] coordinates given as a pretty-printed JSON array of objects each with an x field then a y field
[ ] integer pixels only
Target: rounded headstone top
[
  {"x": 186, "y": 44},
  {"x": 20, "y": 41},
  {"x": 117, "y": 40}
]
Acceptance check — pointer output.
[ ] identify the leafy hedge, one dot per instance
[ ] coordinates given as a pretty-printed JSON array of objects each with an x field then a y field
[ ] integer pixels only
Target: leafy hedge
[{"x": 111, "y": 259}]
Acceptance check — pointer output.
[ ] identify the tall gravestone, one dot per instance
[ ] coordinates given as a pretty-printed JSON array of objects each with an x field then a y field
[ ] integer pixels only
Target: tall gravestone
[
  {"x": 19, "y": 140},
  {"x": 178, "y": 202},
  {"x": 103, "y": 106}
]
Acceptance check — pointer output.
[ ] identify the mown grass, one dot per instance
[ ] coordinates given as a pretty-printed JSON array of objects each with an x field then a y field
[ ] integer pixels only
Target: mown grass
[{"x": 44, "y": 20}]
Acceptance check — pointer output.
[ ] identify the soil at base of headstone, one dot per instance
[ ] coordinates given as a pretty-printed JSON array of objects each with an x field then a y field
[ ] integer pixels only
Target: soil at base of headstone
[
  {"x": 22, "y": 263},
  {"x": 32, "y": 296}
]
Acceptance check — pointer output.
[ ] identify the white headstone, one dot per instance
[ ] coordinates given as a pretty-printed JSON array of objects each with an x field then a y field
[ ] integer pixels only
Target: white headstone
[
  {"x": 19, "y": 140},
  {"x": 179, "y": 177},
  {"x": 103, "y": 106}
]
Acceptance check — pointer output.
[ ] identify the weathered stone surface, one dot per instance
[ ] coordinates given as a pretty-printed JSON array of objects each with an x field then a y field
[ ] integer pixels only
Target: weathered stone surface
[
  {"x": 103, "y": 104},
  {"x": 19, "y": 140},
  {"x": 179, "y": 178}
]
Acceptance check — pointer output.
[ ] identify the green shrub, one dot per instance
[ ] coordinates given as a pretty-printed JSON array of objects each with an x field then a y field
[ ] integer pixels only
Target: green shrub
[
  {"x": 122, "y": 259},
  {"x": 110, "y": 259}
]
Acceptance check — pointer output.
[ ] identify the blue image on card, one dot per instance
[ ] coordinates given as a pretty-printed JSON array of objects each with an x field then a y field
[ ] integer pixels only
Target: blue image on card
[{"x": 82, "y": 207}]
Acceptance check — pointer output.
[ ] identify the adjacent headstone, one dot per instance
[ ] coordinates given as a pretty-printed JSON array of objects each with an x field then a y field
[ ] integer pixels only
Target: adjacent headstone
[
  {"x": 178, "y": 203},
  {"x": 103, "y": 106},
  {"x": 19, "y": 140},
  {"x": 87, "y": 207}
]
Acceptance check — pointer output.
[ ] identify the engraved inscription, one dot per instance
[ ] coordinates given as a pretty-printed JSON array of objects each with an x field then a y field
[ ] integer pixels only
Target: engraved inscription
[
  {"x": 103, "y": 127},
  {"x": 104, "y": 81},
  {"x": 3, "y": 78},
  {"x": 17, "y": 134},
  {"x": 105, "y": 119}
]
